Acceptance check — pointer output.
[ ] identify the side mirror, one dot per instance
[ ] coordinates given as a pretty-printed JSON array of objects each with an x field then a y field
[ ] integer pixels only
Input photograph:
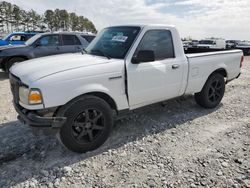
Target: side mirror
[{"x": 143, "y": 56}]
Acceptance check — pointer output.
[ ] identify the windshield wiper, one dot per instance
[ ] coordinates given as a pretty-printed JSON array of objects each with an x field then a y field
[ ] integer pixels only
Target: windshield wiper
[{"x": 102, "y": 53}]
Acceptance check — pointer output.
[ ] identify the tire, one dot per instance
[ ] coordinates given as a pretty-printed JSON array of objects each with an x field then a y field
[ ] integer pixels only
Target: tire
[
  {"x": 89, "y": 123},
  {"x": 212, "y": 92},
  {"x": 12, "y": 61}
]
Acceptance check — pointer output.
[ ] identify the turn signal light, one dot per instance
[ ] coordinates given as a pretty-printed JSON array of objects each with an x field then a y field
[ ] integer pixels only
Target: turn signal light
[{"x": 35, "y": 97}]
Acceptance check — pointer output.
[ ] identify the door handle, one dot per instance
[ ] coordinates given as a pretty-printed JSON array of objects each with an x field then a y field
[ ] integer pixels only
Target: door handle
[
  {"x": 57, "y": 48},
  {"x": 175, "y": 66}
]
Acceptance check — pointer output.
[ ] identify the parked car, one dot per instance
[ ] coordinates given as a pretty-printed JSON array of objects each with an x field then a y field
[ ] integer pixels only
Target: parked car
[
  {"x": 43, "y": 45},
  {"x": 244, "y": 46},
  {"x": 212, "y": 44},
  {"x": 187, "y": 44},
  {"x": 195, "y": 43},
  {"x": 17, "y": 38},
  {"x": 231, "y": 44},
  {"x": 124, "y": 68}
]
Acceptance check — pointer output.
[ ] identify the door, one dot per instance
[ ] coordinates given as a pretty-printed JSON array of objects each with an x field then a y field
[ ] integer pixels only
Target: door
[
  {"x": 150, "y": 82},
  {"x": 47, "y": 45},
  {"x": 71, "y": 44}
]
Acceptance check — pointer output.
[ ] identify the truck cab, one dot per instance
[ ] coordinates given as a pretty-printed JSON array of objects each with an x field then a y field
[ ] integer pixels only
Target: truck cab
[{"x": 17, "y": 38}]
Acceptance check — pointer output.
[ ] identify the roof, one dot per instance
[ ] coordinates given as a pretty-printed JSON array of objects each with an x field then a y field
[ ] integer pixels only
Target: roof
[
  {"x": 23, "y": 33},
  {"x": 67, "y": 33},
  {"x": 144, "y": 25}
]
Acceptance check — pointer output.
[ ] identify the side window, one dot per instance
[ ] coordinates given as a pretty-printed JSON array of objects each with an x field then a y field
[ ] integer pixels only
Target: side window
[
  {"x": 17, "y": 38},
  {"x": 88, "y": 38},
  {"x": 160, "y": 42},
  {"x": 70, "y": 40},
  {"x": 50, "y": 40}
]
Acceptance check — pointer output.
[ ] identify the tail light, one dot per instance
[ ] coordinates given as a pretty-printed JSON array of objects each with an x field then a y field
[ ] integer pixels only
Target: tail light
[{"x": 241, "y": 61}]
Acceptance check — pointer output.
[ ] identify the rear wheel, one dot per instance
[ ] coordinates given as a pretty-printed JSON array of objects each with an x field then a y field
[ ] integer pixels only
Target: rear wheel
[
  {"x": 89, "y": 123},
  {"x": 12, "y": 61},
  {"x": 212, "y": 92}
]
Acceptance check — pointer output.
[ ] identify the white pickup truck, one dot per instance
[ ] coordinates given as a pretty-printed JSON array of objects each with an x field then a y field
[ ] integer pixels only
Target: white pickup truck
[{"x": 124, "y": 68}]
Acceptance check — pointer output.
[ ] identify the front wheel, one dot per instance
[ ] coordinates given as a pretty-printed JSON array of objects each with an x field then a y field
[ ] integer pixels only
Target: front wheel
[
  {"x": 212, "y": 92},
  {"x": 89, "y": 123}
]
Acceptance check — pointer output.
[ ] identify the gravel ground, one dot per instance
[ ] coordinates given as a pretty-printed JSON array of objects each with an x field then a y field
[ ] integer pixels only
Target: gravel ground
[{"x": 177, "y": 144}]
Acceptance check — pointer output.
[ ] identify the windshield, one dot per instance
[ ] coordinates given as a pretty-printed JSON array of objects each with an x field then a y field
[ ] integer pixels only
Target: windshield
[
  {"x": 113, "y": 42},
  {"x": 206, "y": 42},
  {"x": 5, "y": 37},
  {"x": 32, "y": 39}
]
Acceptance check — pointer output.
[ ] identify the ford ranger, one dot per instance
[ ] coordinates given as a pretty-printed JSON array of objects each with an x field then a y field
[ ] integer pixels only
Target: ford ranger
[{"x": 124, "y": 68}]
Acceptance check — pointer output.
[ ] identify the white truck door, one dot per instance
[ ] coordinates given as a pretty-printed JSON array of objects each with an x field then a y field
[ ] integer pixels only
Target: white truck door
[{"x": 161, "y": 79}]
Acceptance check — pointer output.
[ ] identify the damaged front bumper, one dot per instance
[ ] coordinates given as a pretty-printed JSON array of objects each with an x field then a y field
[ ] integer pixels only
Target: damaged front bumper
[{"x": 35, "y": 120}]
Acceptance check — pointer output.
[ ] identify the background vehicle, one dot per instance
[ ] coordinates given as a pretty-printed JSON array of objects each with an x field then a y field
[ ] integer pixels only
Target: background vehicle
[
  {"x": 43, "y": 45},
  {"x": 124, "y": 68},
  {"x": 187, "y": 44},
  {"x": 17, "y": 38},
  {"x": 232, "y": 44},
  {"x": 244, "y": 46},
  {"x": 195, "y": 43},
  {"x": 212, "y": 44}
]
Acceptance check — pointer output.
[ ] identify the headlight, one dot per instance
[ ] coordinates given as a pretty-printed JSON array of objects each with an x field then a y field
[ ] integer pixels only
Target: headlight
[
  {"x": 23, "y": 94},
  {"x": 30, "y": 96}
]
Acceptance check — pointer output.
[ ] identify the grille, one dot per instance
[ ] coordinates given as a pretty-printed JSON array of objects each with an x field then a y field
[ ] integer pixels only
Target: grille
[{"x": 14, "y": 85}]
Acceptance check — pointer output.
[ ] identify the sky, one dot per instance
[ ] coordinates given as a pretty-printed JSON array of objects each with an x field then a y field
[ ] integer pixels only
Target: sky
[{"x": 229, "y": 19}]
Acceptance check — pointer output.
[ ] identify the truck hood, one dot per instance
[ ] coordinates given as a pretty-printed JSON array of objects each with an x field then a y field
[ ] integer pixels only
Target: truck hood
[{"x": 32, "y": 70}]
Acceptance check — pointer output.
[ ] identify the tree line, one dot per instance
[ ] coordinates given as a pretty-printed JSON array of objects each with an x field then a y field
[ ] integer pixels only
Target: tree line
[{"x": 14, "y": 18}]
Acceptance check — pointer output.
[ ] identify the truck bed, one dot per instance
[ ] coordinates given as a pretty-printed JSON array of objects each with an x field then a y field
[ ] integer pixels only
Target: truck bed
[{"x": 202, "y": 64}]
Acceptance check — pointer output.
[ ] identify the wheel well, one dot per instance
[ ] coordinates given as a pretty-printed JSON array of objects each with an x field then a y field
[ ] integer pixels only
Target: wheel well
[
  {"x": 24, "y": 57},
  {"x": 105, "y": 97},
  {"x": 221, "y": 71},
  {"x": 9, "y": 58}
]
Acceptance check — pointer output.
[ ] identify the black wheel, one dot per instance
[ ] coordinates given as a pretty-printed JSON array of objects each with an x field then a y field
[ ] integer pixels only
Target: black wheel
[
  {"x": 89, "y": 123},
  {"x": 212, "y": 92},
  {"x": 11, "y": 62}
]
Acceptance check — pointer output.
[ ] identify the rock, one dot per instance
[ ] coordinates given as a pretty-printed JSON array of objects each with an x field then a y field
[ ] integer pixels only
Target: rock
[
  {"x": 203, "y": 183},
  {"x": 32, "y": 185},
  {"x": 50, "y": 185},
  {"x": 239, "y": 161},
  {"x": 67, "y": 170},
  {"x": 192, "y": 185},
  {"x": 160, "y": 165},
  {"x": 224, "y": 164},
  {"x": 57, "y": 183},
  {"x": 173, "y": 132},
  {"x": 247, "y": 183},
  {"x": 44, "y": 173},
  {"x": 219, "y": 173}
]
